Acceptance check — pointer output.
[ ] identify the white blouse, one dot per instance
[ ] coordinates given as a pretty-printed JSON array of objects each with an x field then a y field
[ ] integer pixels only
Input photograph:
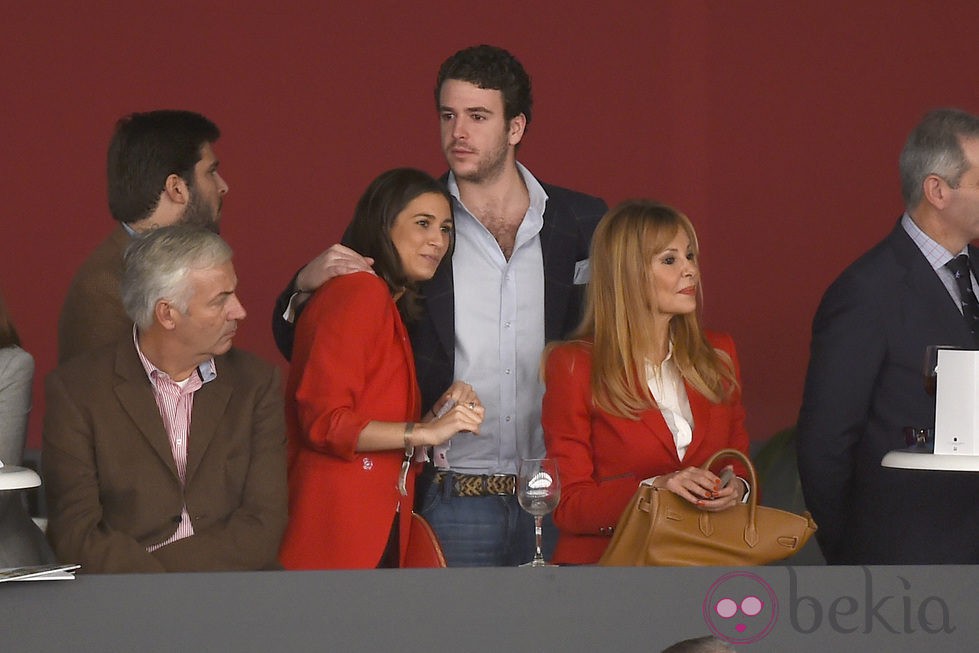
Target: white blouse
[
  {"x": 666, "y": 384},
  {"x": 668, "y": 390}
]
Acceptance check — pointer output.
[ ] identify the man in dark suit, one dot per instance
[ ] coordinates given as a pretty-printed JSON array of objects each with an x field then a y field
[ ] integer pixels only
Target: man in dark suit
[
  {"x": 515, "y": 281},
  {"x": 865, "y": 379},
  {"x": 165, "y": 451},
  {"x": 162, "y": 170}
]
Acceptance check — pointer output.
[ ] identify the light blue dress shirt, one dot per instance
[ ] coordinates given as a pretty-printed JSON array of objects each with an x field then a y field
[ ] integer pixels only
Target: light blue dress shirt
[{"x": 499, "y": 327}]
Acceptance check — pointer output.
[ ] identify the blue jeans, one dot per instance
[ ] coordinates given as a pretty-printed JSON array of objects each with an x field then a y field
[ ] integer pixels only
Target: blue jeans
[{"x": 491, "y": 531}]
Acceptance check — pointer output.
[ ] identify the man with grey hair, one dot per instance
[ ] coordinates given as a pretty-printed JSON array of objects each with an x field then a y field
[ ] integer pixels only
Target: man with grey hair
[
  {"x": 915, "y": 288},
  {"x": 166, "y": 451}
]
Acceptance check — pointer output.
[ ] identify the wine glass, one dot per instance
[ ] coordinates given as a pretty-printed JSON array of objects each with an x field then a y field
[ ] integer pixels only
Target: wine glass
[{"x": 538, "y": 491}]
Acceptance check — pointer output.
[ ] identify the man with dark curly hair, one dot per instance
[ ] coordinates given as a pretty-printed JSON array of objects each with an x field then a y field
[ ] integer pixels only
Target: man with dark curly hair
[{"x": 161, "y": 170}]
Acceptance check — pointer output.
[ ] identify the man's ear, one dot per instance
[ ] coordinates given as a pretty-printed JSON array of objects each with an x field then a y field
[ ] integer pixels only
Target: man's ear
[
  {"x": 176, "y": 189},
  {"x": 516, "y": 129},
  {"x": 165, "y": 313},
  {"x": 935, "y": 191}
]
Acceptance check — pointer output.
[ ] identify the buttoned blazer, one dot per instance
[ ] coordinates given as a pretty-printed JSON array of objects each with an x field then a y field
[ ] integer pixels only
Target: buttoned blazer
[
  {"x": 602, "y": 458},
  {"x": 352, "y": 364},
  {"x": 111, "y": 480},
  {"x": 864, "y": 385},
  {"x": 92, "y": 314},
  {"x": 565, "y": 238}
]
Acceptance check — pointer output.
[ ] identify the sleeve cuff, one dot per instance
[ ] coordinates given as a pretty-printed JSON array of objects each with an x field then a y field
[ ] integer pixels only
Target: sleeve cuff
[{"x": 289, "y": 315}]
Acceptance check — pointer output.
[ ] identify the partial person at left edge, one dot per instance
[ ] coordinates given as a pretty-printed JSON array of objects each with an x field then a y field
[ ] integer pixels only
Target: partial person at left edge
[
  {"x": 162, "y": 170},
  {"x": 21, "y": 541},
  {"x": 165, "y": 451},
  {"x": 16, "y": 378}
]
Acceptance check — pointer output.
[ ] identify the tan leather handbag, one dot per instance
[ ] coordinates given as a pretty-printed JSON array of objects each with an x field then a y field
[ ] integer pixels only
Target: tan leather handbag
[{"x": 658, "y": 528}]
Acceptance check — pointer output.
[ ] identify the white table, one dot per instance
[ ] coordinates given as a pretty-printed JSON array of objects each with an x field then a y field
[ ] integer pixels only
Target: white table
[
  {"x": 918, "y": 459},
  {"x": 18, "y": 478}
]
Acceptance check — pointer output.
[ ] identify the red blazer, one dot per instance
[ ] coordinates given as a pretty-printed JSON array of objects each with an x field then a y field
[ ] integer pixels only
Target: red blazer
[
  {"x": 603, "y": 458},
  {"x": 352, "y": 363}
]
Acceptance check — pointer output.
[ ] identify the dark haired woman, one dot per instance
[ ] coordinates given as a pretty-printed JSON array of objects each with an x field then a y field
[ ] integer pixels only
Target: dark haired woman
[
  {"x": 644, "y": 394},
  {"x": 352, "y": 400}
]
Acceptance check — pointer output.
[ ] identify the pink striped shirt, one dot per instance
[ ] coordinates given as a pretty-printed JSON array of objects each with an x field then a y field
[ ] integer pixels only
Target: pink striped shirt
[{"x": 176, "y": 403}]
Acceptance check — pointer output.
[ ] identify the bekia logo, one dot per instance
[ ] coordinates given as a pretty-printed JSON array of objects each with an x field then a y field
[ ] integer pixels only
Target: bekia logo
[
  {"x": 873, "y": 608},
  {"x": 740, "y": 608}
]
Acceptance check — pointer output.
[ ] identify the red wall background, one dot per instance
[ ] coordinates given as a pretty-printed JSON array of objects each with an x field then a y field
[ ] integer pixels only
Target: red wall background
[{"x": 776, "y": 126}]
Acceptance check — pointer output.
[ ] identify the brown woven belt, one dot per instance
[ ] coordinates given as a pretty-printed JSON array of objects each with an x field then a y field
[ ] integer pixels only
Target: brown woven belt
[{"x": 479, "y": 485}]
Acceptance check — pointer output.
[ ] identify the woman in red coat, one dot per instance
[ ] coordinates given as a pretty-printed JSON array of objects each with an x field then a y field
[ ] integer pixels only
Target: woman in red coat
[
  {"x": 643, "y": 394},
  {"x": 352, "y": 401}
]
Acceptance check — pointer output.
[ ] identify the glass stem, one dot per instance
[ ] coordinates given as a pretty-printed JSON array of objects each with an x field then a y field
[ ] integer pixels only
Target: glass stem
[{"x": 538, "y": 533}]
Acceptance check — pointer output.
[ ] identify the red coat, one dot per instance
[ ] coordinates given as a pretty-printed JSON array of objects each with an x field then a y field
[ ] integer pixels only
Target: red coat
[
  {"x": 603, "y": 458},
  {"x": 352, "y": 363}
]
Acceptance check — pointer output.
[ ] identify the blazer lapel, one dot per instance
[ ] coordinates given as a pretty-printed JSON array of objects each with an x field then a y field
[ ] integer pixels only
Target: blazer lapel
[
  {"x": 210, "y": 403},
  {"x": 699, "y": 410},
  {"x": 701, "y": 413},
  {"x": 440, "y": 304},
  {"x": 414, "y": 398},
  {"x": 135, "y": 395},
  {"x": 655, "y": 422},
  {"x": 557, "y": 246},
  {"x": 931, "y": 298}
]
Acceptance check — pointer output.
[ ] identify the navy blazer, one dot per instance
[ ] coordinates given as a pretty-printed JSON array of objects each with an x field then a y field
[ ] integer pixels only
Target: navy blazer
[
  {"x": 565, "y": 238},
  {"x": 569, "y": 222},
  {"x": 864, "y": 385}
]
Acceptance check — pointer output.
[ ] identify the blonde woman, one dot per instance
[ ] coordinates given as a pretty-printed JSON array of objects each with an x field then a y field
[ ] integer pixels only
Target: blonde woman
[{"x": 642, "y": 393}]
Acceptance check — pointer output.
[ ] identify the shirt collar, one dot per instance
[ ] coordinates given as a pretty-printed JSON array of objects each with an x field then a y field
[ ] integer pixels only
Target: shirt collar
[
  {"x": 936, "y": 254},
  {"x": 538, "y": 196},
  {"x": 207, "y": 370}
]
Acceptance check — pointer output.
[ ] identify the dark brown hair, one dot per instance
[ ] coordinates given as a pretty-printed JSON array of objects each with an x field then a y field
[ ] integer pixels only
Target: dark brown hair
[{"x": 370, "y": 230}]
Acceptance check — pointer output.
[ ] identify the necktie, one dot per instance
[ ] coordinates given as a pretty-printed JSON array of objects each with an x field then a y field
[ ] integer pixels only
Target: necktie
[{"x": 963, "y": 279}]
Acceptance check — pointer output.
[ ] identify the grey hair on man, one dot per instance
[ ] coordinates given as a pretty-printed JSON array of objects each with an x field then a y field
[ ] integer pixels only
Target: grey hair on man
[
  {"x": 156, "y": 265},
  {"x": 934, "y": 147}
]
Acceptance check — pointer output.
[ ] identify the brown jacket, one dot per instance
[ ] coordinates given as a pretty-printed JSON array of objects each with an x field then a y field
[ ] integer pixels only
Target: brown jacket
[
  {"x": 92, "y": 314},
  {"x": 112, "y": 485}
]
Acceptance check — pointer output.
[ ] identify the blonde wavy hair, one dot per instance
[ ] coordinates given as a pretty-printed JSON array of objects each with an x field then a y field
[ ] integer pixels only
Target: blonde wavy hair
[{"x": 618, "y": 311}]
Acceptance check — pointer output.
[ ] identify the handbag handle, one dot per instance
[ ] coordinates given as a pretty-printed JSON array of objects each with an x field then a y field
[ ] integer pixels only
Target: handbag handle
[{"x": 751, "y": 530}]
